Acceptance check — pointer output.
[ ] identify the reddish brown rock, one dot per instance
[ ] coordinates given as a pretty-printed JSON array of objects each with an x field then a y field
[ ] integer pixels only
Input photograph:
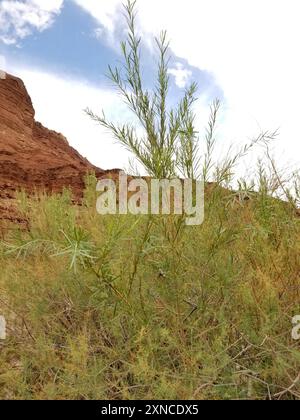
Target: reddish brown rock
[{"x": 31, "y": 156}]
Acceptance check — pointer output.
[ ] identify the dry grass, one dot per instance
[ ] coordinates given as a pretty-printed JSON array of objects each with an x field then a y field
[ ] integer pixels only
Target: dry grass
[{"x": 136, "y": 307}]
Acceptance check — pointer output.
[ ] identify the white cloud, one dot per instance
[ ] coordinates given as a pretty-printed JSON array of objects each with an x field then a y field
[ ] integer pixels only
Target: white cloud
[
  {"x": 2, "y": 62},
  {"x": 104, "y": 12},
  {"x": 18, "y": 19},
  {"x": 249, "y": 46},
  {"x": 59, "y": 103},
  {"x": 181, "y": 75},
  {"x": 109, "y": 16}
]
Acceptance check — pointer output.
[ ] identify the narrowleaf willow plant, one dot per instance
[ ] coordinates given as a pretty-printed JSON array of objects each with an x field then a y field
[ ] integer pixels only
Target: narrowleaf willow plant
[{"x": 169, "y": 145}]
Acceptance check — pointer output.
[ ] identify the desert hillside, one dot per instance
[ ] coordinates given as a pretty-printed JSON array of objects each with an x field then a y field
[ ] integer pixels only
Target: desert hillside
[{"x": 32, "y": 156}]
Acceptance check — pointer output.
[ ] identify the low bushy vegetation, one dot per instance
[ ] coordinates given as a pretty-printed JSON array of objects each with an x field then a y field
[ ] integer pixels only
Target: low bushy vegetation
[{"x": 141, "y": 307}]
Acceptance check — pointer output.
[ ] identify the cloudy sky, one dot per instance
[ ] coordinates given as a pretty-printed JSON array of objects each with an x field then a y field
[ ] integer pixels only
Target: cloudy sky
[{"x": 244, "y": 52}]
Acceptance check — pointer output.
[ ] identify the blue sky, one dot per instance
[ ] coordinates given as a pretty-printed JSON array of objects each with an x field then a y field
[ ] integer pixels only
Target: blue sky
[
  {"x": 242, "y": 54},
  {"x": 70, "y": 46}
]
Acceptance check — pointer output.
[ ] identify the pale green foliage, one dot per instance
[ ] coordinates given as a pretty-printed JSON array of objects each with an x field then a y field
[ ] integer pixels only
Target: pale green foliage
[
  {"x": 131, "y": 307},
  {"x": 170, "y": 143}
]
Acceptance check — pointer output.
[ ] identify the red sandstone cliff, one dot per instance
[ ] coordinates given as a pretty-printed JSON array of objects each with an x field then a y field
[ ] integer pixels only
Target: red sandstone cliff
[{"x": 31, "y": 156}]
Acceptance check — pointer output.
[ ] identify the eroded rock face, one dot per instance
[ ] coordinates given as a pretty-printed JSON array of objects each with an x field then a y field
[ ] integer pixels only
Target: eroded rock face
[{"x": 31, "y": 156}]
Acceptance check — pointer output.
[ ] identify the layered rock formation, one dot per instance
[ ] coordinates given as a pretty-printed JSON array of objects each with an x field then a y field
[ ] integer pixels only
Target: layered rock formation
[{"x": 31, "y": 156}]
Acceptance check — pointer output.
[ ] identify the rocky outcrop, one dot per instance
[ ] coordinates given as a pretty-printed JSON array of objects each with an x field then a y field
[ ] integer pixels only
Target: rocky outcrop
[{"x": 31, "y": 156}]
